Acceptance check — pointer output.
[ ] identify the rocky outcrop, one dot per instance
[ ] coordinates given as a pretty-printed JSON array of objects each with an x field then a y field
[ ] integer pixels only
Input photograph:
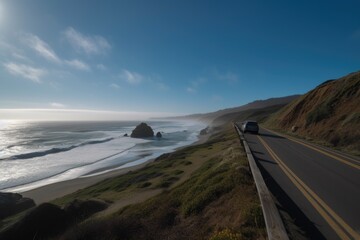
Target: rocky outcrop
[
  {"x": 12, "y": 203},
  {"x": 142, "y": 131},
  {"x": 204, "y": 131},
  {"x": 158, "y": 135},
  {"x": 126, "y": 135}
]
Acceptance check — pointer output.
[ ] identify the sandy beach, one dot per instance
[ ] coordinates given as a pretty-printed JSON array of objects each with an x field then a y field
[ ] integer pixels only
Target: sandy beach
[
  {"x": 55, "y": 190},
  {"x": 59, "y": 189}
]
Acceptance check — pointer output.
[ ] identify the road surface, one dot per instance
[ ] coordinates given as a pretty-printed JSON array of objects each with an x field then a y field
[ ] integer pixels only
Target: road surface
[{"x": 319, "y": 188}]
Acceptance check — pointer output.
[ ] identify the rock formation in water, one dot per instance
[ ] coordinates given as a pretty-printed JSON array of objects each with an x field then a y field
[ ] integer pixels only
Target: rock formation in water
[{"x": 142, "y": 131}]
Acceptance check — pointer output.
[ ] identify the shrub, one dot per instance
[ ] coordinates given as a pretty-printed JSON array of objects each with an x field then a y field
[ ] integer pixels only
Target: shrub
[
  {"x": 144, "y": 185},
  {"x": 167, "y": 182},
  {"x": 226, "y": 234},
  {"x": 318, "y": 114}
]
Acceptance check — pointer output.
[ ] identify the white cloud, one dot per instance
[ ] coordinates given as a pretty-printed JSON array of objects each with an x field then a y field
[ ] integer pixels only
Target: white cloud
[
  {"x": 101, "y": 67},
  {"x": 75, "y": 63},
  {"x": 25, "y": 71},
  {"x": 229, "y": 77},
  {"x": 57, "y": 105},
  {"x": 131, "y": 77},
  {"x": 114, "y": 85},
  {"x": 191, "y": 90},
  {"x": 41, "y": 47},
  {"x": 86, "y": 44},
  {"x": 10, "y": 51},
  {"x": 19, "y": 56}
]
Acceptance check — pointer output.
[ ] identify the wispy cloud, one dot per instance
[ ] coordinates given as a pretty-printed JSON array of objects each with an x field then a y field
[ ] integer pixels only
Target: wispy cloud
[
  {"x": 191, "y": 90},
  {"x": 132, "y": 78},
  {"x": 19, "y": 56},
  {"x": 44, "y": 50},
  {"x": 25, "y": 71},
  {"x": 114, "y": 85},
  {"x": 87, "y": 44},
  {"x": 101, "y": 67},
  {"x": 57, "y": 105},
  {"x": 75, "y": 63},
  {"x": 194, "y": 85},
  {"x": 41, "y": 47},
  {"x": 229, "y": 77}
]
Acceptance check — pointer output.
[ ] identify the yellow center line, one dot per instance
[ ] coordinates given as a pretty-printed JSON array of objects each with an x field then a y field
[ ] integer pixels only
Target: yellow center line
[
  {"x": 334, "y": 220},
  {"x": 320, "y": 151}
]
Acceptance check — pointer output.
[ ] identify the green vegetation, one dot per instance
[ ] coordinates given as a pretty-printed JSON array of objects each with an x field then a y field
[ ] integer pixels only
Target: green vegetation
[{"x": 226, "y": 234}]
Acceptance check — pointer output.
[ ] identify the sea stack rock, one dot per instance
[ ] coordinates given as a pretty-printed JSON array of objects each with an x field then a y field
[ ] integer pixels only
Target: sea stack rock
[
  {"x": 158, "y": 135},
  {"x": 142, "y": 131}
]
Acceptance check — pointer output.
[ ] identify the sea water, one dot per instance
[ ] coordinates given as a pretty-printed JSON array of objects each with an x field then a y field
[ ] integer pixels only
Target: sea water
[{"x": 34, "y": 154}]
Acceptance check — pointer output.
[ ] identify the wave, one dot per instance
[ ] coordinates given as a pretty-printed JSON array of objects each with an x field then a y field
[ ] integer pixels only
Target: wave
[
  {"x": 54, "y": 150},
  {"x": 66, "y": 174}
]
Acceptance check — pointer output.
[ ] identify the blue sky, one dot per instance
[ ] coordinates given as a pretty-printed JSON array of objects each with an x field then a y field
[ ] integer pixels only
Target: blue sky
[{"x": 170, "y": 56}]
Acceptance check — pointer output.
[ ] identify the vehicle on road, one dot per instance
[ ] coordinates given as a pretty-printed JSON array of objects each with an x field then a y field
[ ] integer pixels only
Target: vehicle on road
[{"x": 250, "y": 126}]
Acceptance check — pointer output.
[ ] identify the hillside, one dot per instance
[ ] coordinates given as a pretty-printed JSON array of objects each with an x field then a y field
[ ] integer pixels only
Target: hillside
[
  {"x": 258, "y": 104},
  {"x": 257, "y": 114},
  {"x": 330, "y": 113}
]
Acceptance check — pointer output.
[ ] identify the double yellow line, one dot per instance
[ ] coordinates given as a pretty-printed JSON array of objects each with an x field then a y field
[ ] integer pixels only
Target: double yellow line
[
  {"x": 335, "y": 221},
  {"x": 347, "y": 162}
]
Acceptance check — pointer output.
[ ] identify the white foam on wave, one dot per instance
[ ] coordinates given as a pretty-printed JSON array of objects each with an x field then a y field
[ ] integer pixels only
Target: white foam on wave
[{"x": 19, "y": 172}]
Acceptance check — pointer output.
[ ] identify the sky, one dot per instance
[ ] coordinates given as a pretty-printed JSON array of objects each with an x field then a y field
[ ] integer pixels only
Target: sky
[{"x": 128, "y": 59}]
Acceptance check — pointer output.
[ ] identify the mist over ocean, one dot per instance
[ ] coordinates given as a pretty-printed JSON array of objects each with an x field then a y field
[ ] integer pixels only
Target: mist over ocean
[{"x": 34, "y": 154}]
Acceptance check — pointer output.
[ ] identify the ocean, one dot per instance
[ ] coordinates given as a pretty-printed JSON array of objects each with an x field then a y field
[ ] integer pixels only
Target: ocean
[{"x": 34, "y": 154}]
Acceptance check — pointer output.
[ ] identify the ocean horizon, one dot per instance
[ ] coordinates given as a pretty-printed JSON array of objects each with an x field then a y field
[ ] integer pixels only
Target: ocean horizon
[{"x": 37, "y": 153}]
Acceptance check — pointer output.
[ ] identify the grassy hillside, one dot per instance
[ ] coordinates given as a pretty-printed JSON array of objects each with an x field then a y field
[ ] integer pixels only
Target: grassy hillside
[
  {"x": 259, "y": 115},
  {"x": 330, "y": 113}
]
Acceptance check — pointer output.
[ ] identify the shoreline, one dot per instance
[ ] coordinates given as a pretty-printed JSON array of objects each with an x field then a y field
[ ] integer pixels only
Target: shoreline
[{"x": 55, "y": 190}]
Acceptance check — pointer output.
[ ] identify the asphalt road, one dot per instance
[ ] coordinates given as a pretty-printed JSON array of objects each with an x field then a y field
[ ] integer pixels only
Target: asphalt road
[{"x": 319, "y": 188}]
